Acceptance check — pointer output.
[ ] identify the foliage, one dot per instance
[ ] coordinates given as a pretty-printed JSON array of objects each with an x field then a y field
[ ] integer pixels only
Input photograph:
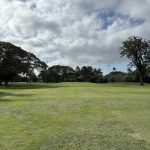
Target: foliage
[
  {"x": 67, "y": 74},
  {"x": 116, "y": 76},
  {"x": 14, "y": 61},
  {"x": 20, "y": 78},
  {"x": 89, "y": 74},
  {"x": 57, "y": 74},
  {"x": 137, "y": 51}
]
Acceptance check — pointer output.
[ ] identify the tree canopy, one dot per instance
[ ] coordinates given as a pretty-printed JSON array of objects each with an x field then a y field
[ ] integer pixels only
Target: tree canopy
[
  {"x": 60, "y": 73},
  {"x": 137, "y": 50},
  {"x": 57, "y": 73},
  {"x": 14, "y": 60}
]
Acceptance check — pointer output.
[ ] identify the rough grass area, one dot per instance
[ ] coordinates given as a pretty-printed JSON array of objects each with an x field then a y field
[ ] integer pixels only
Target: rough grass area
[{"x": 75, "y": 116}]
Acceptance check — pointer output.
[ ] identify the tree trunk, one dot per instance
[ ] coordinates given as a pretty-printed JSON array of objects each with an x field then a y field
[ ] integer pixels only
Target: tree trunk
[
  {"x": 0, "y": 82},
  {"x": 141, "y": 80},
  {"x": 6, "y": 82}
]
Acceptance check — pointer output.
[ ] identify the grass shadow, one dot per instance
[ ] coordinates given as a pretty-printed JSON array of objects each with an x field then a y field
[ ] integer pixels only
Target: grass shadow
[
  {"x": 7, "y": 100},
  {"x": 3, "y": 100},
  {"x": 32, "y": 86},
  {"x": 2, "y": 94}
]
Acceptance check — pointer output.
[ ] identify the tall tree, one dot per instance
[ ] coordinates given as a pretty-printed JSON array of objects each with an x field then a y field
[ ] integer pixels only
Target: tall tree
[
  {"x": 137, "y": 50},
  {"x": 14, "y": 60}
]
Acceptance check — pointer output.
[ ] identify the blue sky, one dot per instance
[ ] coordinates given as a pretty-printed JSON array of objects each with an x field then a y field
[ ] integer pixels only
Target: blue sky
[
  {"x": 75, "y": 32},
  {"x": 108, "y": 17}
]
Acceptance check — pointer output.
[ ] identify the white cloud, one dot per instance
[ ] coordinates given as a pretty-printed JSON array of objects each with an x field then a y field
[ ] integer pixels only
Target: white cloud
[{"x": 74, "y": 32}]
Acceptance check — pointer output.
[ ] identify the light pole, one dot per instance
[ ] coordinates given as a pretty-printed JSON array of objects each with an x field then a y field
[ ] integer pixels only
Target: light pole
[
  {"x": 109, "y": 68},
  {"x": 99, "y": 63}
]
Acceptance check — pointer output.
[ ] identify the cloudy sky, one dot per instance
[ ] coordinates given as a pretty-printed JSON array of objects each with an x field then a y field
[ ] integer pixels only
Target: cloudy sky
[{"x": 74, "y": 32}]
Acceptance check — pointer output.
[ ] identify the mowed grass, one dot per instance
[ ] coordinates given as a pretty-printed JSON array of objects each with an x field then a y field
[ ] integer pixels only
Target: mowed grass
[{"x": 75, "y": 116}]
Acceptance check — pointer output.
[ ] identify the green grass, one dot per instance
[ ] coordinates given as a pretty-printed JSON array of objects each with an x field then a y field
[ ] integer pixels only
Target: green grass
[{"x": 75, "y": 116}]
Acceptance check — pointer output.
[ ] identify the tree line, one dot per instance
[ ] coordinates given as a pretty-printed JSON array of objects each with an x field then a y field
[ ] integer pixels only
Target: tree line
[
  {"x": 60, "y": 73},
  {"x": 18, "y": 65}
]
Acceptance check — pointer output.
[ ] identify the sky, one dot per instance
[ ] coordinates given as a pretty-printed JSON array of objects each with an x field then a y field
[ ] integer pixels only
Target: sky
[{"x": 75, "y": 32}]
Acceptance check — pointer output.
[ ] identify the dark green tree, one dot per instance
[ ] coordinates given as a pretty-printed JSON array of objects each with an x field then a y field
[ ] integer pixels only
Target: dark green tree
[
  {"x": 14, "y": 61},
  {"x": 78, "y": 74},
  {"x": 89, "y": 74},
  {"x": 58, "y": 73},
  {"x": 137, "y": 50}
]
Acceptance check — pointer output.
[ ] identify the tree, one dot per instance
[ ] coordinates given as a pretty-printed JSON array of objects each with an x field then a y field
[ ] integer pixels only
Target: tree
[
  {"x": 14, "y": 61},
  {"x": 137, "y": 50},
  {"x": 116, "y": 76},
  {"x": 89, "y": 74},
  {"x": 58, "y": 73},
  {"x": 114, "y": 69},
  {"x": 78, "y": 75}
]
